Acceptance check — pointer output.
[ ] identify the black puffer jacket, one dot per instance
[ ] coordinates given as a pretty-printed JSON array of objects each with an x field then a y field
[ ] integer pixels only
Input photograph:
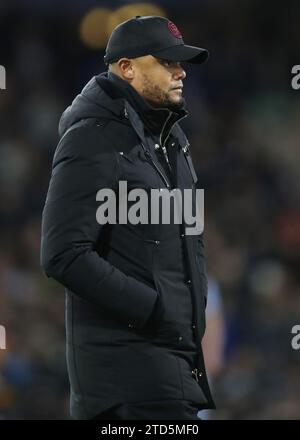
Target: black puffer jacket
[{"x": 135, "y": 294}]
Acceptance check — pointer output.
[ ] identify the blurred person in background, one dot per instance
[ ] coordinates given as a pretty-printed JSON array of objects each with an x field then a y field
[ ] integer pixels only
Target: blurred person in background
[
  {"x": 135, "y": 294},
  {"x": 214, "y": 339},
  {"x": 213, "y": 342}
]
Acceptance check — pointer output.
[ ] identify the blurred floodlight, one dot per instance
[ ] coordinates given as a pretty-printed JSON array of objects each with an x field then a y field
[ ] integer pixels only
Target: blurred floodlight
[
  {"x": 93, "y": 28},
  {"x": 130, "y": 11},
  {"x": 267, "y": 278}
]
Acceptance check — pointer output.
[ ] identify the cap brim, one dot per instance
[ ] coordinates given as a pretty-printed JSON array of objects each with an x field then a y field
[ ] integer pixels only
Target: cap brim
[{"x": 182, "y": 52}]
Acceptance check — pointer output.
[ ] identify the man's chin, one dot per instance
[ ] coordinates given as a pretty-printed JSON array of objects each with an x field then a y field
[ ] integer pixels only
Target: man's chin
[
  {"x": 176, "y": 105},
  {"x": 170, "y": 104}
]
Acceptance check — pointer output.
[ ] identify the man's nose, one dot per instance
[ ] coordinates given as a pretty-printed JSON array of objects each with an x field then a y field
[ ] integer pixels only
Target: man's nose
[{"x": 180, "y": 73}]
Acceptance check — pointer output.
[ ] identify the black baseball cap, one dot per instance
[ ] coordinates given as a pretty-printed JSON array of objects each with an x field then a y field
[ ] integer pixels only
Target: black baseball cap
[{"x": 151, "y": 35}]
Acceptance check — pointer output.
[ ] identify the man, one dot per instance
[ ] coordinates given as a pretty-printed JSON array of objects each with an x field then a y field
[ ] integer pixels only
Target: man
[{"x": 135, "y": 293}]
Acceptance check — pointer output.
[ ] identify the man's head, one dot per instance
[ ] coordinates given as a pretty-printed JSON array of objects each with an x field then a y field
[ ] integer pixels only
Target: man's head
[
  {"x": 158, "y": 81},
  {"x": 147, "y": 52}
]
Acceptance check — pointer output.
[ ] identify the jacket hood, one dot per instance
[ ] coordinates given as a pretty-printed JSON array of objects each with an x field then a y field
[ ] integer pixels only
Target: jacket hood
[
  {"x": 105, "y": 96},
  {"x": 92, "y": 102}
]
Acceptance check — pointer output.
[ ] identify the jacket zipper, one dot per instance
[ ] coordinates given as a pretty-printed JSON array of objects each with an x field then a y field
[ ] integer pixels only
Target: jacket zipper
[
  {"x": 195, "y": 373},
  {"x": 163, "y": 144},
  {"x": 160, "y": 137},
  {"x": 186, "y": 152},
  {"x": 148, "y": 155},
  {"x": 180, "y": 119}
]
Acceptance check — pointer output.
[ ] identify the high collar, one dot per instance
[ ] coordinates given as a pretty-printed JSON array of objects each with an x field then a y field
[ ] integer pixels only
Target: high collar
[{"x": 157, "y": 120}]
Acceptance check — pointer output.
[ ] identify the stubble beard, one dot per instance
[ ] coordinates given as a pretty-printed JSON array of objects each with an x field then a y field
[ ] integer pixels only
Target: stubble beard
[{"x": 158, "y": 98}]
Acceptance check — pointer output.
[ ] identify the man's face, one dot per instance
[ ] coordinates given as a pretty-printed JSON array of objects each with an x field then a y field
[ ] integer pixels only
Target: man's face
[{"x": 159, "y": 81}]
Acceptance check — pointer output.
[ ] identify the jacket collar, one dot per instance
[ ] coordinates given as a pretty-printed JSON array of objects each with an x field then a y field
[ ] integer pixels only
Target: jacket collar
[{"x": 158, "y": 121}]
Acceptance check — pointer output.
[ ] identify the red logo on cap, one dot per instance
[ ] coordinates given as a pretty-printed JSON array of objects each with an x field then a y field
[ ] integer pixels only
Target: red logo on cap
[{"x": 174, "y": 30}]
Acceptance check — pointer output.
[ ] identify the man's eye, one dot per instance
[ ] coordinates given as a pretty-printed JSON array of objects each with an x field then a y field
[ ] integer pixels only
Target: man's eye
[{"x": 166, "y": 63}]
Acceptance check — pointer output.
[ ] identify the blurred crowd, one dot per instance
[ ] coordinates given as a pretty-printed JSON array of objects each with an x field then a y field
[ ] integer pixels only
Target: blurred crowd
[{"x": 244, "y": 132}]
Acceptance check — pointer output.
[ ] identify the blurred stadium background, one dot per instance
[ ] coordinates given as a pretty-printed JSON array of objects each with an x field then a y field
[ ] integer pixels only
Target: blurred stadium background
[{"x": 244, "y": 131}]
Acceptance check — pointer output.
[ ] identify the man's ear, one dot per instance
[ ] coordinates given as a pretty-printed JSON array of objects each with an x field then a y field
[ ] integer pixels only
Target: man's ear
[{"x": 126, "y": 69}]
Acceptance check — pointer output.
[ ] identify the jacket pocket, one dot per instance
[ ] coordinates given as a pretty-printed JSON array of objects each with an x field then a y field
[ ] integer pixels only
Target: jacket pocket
[
  {"x": 191, "y": 388},
  {"x": 156, "y": 318},
  {"x": 161, "y": 330}
]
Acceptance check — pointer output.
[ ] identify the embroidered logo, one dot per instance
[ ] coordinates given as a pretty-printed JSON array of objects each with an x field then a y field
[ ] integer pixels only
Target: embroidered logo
[{"x": 174, "y": 30}]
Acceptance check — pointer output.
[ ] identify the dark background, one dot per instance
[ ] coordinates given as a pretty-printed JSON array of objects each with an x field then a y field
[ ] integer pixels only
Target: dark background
[{"x": 244, "y": 132}]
